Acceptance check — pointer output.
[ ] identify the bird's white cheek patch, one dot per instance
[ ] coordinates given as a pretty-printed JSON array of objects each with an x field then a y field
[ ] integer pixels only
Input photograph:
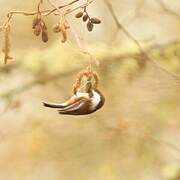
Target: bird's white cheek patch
[{"x": 95, "y": 100}]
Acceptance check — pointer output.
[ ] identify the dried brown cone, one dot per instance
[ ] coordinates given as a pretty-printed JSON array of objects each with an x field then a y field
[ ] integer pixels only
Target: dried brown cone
[
  {"x": 79, "y": 78},
  {"x": 66, "y": 25},
  {"x": 90, "y": 26},
  {"x": 57, "y": 28},
  {"x": 79, "y": 14},
  {"x": 95, "y": 20},
  {"x": 6, "y": 48},
  {"x": 96, "y": 78},
  {"x": 89, "y": 83},
  {"x": 44, "y": 35},
  {"x": 37, "y": 30},
  {"x": 36, "y": 21},
  {"x": 85, "y": 17},
  {"x": 64, "y": 35}
]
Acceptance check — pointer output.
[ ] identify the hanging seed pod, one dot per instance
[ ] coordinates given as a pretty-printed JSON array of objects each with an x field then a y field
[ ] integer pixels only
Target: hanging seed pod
[
  {"x": 85, "y": 17},
  {"x": 79, "y": 14},
  {"x": 56, "y": 28},
  {"x": 90, "y": 26},
  {"x": 36, "y": 21},
  {"x": 44, "y": 33},
  {"x": 37, "y": 30},
  {"x": 64, "y": 35},
  {"x": 7, "y": 45},
  {"x": 95, "y": 20},
  {"x": 96, "y": 79},
  {"x": 66, "y": 25}
]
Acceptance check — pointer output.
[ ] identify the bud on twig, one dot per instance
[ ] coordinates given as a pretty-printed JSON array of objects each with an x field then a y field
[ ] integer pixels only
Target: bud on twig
[
  {"x": 90, "y": 26},
  {"x": 64, "y": 36},
  {"x": 95, "y": 20},
  {"x": 36, "y": 22},
  {"x": 44, "y": 35},
  {"x": 79, "y": 14},
  {"x": 37, "y": 30},
  {"x": 56, "y": 28},
  {"x": 85, "y": 17}
]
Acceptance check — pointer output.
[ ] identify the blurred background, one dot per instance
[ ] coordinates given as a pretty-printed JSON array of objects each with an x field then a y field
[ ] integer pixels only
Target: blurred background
[{"x": 134, "y": 136}]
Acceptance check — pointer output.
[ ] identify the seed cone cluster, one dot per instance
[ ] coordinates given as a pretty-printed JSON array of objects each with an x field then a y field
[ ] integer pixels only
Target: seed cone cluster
[
  {"x": 86, "y": 18},
  {"x": 40, "y": 27},
  {"x": 90, "y": 77},
  {"x": 62, "y": 29}
]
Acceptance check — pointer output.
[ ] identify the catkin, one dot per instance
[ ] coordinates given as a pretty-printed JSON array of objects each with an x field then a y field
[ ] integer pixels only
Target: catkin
[
  {"x": 36, "y": 21},
  {"x": 44, "y": 33},
  {"x": 37, "y": 30},
  {"x": 6, "y": 47},
  {"x": 96, "y": 78},
  {"x": 64, "y": 35},
  {"x": 56, "y": 28}
]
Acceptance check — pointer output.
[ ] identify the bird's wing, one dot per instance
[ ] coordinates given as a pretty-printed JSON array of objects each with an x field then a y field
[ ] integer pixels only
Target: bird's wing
[{"x": 74, "y": 108}]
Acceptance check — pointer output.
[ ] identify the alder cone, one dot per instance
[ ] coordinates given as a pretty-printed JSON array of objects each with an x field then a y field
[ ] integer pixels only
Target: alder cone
[
  {"x": 90, "y": 26},
  {"x": 36, "y": 21},
  {"x": 95, "y": 20},
  {"x": 45, "y": 35},
  {"x": 79, "y": 14},
  {"x": 64, "y": 36},
  {"x": 66, "y": 25},
  {"x": 85, "y": 17},
  {"x": 37, "y": 30},
  {"x": 56, "y": 28}
]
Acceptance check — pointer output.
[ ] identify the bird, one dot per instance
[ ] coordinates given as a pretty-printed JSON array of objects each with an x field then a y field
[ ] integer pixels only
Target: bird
[{"x": 81, "y": 103}]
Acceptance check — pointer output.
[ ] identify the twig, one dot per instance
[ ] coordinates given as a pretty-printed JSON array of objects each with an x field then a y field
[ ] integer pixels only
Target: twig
[
  {"x": 140, "y": 48},
  {"x": 168, "y": 10},
  {"x": 60, "y": 7},
  {"x": 163, "y": 142},
  {"x": 75, "y": 33}
]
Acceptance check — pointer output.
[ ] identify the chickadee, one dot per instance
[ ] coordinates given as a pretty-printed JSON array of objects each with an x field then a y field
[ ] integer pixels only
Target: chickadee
[{"x": 80, "y": 103}]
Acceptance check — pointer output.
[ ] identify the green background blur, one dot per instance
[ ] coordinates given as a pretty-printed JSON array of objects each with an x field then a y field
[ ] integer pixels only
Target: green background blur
[{"x": 135, "y": 136}]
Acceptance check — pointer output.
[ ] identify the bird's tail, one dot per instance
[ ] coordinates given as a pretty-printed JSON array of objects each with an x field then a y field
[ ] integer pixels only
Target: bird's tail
[{"x": 54, "y": 105}]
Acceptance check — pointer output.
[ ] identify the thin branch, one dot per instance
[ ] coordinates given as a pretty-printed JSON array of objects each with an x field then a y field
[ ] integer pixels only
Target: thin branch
[
  {"x": 168, "y": 10},
  {"x": 48, "y": 12},
  {"x": 60, "y": 7},
  {"x": 132, "y": 38},
  {"x": 163, "y": 143}
]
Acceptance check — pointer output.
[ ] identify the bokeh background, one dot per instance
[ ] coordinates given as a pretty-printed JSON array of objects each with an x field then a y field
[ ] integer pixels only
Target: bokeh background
[{"x": 134, "y": 136}]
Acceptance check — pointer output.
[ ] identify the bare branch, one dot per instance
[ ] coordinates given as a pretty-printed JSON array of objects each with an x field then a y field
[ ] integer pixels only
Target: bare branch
[
  {"x": 168, "y": 10},
  {"x": 132, "y": 38}
]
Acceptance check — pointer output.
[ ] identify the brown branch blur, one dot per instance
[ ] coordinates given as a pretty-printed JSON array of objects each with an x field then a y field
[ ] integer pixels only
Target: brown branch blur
[
  {"x": 47, "y": 78},
  {"x": 136, "y": 42},
  {"x": 167, "y": 9}
]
